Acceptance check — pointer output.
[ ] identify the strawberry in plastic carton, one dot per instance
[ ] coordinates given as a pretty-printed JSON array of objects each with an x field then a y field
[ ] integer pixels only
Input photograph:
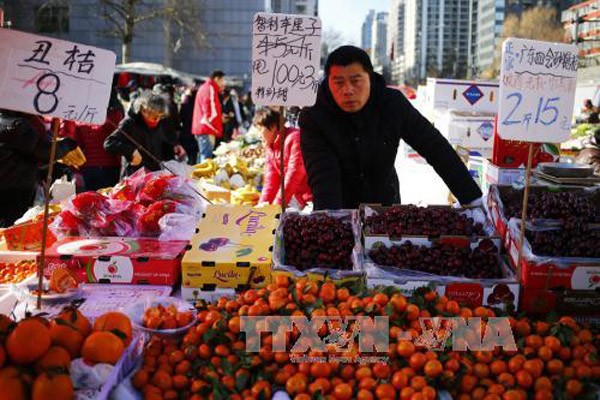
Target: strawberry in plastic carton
[
  {"x": 147, "y": 224},
  {"x": 67, "y": 224},
  {"x": 158, "y": 188},
  {"x": 128, "y": 189},
  {"x": 89, "y": 203}
]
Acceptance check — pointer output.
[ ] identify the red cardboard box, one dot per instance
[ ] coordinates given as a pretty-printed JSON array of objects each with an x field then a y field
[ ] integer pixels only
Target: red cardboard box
[
  {"x": 118, "y": 260},
  {"x": 28, "y": 235},
  {"x": 513, "y": 154},
  {"x": 551, "y": 272},
  {"x": 578, "y": 303}
]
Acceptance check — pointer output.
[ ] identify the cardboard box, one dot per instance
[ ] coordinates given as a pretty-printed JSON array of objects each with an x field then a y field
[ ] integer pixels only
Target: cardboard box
[
  {"x": 317, "y": 273},
  {"x": 475, "y": 166},
  {"x": 232, "y": 248},
  {"x": 210, "y": 296},
  {"x": 495, "y": 175},
  {"x": 371, "y": 239},
  {"x": 574, "y": 303},
  {"x": 214, "y": 193},
  {"x": 471, "y": 130},
  {"x": 499, "y": 293},
  {"x": 460, "y": 95},
  {"x": 513, "y": 154},
  {"x": 551, "y": 272},
  {"x": 28, "y": 235},
  {"x": 118, "y": 260}
]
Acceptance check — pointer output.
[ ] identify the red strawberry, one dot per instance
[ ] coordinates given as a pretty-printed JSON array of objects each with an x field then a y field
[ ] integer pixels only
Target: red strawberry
[
  {"x": 89, "y": 202},
  {"x": 147, "y": 224}
]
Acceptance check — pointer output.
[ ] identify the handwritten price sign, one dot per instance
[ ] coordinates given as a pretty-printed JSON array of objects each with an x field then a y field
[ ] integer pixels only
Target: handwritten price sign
[
  {"x": 286, "y": 51},
  {"x": 46, "y": 76},
  {"x": 537, "y": 90}
]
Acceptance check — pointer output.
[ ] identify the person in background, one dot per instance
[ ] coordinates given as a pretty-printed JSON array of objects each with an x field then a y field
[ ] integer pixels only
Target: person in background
[
  {"x": 589, "y": 113},
  {"x": 23, "y": 149},
  {"x": 145, "y": 123},
  {"x": 350, "y": 138},
  {"x": 248, "y": 107},
  {"x": 591, "y": 153},
  {"x": 232, "y": 115},
  {"x": 187, "y": 140},
  {"x": 101, "y": 169},
  {"x": 207, "y": 123},
  {"x": 266, "y": 121},
  {"x": 172, "y": 123}
]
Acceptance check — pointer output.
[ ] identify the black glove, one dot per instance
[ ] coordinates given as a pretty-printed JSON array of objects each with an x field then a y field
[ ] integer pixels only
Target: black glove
[{"x": 65, "y": 145}]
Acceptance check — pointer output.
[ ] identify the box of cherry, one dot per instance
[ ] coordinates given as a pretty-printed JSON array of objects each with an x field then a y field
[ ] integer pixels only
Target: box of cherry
[
  {"x": 547, "y": 206},
  {"x": 557, "y": 257},
  {"x": 425, "y": 225},
  {"x": 323, "y": 243},
  {"x": 472, "y": 275}
]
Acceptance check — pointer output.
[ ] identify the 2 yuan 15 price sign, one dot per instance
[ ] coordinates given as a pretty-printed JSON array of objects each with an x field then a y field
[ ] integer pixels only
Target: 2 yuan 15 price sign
[
  {"x": 537, "y": 90},
  {"x": 286, "y": 51},
  {"x": 47, "y": 76}
]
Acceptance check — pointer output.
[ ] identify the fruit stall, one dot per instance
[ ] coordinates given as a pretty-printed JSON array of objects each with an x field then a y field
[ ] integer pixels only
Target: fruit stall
[{"x": 146, "y": 289}]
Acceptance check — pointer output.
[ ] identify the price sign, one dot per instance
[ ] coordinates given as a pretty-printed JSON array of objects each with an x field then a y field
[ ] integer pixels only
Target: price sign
[
  {"x": 47, "y": 76},
  {"x": 286, "y": 51},
  {"x": 537, "y": 90}
]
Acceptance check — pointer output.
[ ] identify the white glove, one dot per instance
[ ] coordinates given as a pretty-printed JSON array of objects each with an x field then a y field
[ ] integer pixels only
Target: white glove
[
  {"x": 136, "y": 158},
  {"x": 476, "y": 203}
]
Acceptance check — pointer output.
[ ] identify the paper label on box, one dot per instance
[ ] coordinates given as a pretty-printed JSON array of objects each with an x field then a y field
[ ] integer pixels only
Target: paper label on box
[
  {"x": 469, "y": 294},
  {"x": 117, "y": 269},
  {"x": 585, "y": 278}
]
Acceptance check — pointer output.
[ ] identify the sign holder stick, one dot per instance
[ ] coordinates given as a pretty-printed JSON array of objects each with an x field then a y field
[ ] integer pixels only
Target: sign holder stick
[
  {"x": 55, "y": 125},
  {"x": 282, "y": 148},
  {"x": 524, "y": 208}
]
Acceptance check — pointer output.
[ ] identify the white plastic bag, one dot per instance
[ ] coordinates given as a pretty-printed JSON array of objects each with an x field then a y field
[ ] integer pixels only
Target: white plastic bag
[{"x": 177, "y": 226}]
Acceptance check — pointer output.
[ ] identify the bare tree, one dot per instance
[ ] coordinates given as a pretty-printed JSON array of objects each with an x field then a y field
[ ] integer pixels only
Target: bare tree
[
  {"x": 180, "y": 18},
  {"x": 330, "y": 40},
  {"x": 537, "y": 23}
]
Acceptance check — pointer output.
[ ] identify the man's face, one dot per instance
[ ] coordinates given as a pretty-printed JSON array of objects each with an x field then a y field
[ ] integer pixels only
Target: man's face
[
  {"x": 220, "y": 83},
  {"x": 350, "y": 86}
]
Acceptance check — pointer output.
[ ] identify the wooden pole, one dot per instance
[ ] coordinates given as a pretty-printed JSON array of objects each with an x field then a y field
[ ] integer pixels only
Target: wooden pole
[
  {"x": 524, "y": 210},
  {"x": 282, "y": 148},
  {"x": 55, "y": 127}
]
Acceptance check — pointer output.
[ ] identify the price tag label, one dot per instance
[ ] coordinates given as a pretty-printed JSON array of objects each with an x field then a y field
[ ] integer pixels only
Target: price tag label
[
  {"x": 286, "y": 52},
  {"x": 537, "y": 90},
  {"x": 47, "y": 76}
]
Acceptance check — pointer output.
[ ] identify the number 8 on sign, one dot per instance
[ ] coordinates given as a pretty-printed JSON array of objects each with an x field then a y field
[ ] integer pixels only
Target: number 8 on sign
[{"x": 47, "y": 86}]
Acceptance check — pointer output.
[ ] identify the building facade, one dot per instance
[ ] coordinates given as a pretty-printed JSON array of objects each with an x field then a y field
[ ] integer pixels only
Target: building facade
[
  {"x": 226, "y": 24},
  {"x": 582, "y": 25},
  {"x": 395, "y": 41},
  {"x": 379, "y": 40},
  {"x": 490, "y": 20},
  {"x": 436, "y": 38},
  {"x": 366, "y": 36},
  {"x": 303, "y": 7}
]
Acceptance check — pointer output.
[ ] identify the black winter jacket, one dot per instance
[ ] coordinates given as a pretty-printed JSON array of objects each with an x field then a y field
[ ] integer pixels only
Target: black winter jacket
[
  {"x": 350, "y": 158},
  {"x": 23, "y": 148},
  {"x": 158, "y": 141}
]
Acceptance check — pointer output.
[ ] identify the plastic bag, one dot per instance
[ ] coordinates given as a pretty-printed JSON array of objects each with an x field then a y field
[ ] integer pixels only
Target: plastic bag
[
  {"x": 89, "y": 377},
  {"x": 177, "y": 226}
]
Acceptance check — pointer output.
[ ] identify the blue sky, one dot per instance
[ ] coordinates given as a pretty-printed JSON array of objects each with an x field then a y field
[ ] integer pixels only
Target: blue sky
[{"x": 347, "y": 16}]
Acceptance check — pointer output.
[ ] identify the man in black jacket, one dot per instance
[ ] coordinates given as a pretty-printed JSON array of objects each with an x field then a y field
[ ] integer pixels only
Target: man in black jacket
[
  {"x": 23, "y": 149},
  {"x": 350, "y": 138}
]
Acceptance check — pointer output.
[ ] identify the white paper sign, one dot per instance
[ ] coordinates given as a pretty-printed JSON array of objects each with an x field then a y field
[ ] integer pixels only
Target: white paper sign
[
  {"x": 47, "y": 76},
  {"x": 537, "y": 90},
  {"x": 286, "y": 52}
]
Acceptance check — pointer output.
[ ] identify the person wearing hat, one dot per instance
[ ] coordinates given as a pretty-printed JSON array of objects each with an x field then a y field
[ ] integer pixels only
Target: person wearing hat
[
  {"x": 591, "y": 153},
  {"x": 350, "y": 138}
]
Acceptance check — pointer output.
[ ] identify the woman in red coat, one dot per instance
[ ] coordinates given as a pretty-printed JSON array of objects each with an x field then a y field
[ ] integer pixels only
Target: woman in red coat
[{"x": 266, "y": 121}]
